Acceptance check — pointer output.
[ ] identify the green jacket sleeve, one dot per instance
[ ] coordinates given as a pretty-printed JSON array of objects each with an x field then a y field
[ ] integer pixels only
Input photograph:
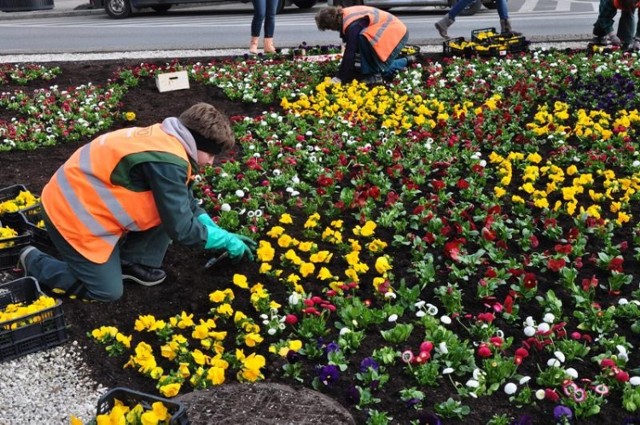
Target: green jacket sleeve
[{"x": 177, "y": 206}]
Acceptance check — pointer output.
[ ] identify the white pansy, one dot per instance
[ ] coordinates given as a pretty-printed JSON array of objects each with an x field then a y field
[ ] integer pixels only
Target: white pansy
[
  {"x": 560, "y": 356},
  {"x": 420, "y": 304},
  {"x": 623, "y": 301},
  {"x": 540, "y": 394},
  {"x": 543, "y": 327},
  {"x": 571, "y": 372},
  {"x": 240, "y": 193},
  {"x": 529, "y": 321},
  {"x": 225, "y": 207},
  {"x": 443, "y": 347},
  {"x": 524, "y": 380},
  {"x": 445, "y": 319},
  {"x": 294, "y": 298},
  {"x": 421, "y": 313},
  {"x": 472, "y": 383},
  {"x": 553, "y": 363},
  {"x": 549, "y": 318},
  {"x": 344, "y": 330},
  {"x": 432, "y": 309},
  {"x": 393, "y": 318},
  {"x": 529, "y": 331},
  {"x": 510, "y": 388},
  {"x": 271, "y": 331},
  {"x": 447, "y": 370},
  {"x": 635, "y": 381},
  {"x": 390, "y": 295}
]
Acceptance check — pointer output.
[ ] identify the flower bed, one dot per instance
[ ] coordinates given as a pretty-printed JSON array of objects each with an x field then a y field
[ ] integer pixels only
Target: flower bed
[{"x": 465, "y": 237}]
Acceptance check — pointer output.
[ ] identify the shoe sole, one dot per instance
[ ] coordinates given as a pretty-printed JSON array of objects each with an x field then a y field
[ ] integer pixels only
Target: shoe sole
[{"x": 143, "y": 282}]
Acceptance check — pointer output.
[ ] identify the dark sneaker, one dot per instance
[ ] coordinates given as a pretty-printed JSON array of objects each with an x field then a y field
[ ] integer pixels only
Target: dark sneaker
[
  {"x": 22, "y": 260},
  {"x": 146, "y": 276}
]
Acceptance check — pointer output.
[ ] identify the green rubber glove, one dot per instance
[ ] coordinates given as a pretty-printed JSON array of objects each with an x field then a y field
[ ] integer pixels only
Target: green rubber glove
[
  {"x": 237, "y": 245},
  {"x": 205, "y": 220}
]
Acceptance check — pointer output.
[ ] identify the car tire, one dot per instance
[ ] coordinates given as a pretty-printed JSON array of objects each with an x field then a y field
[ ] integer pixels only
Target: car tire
[
  {"x": 490, "y": 4},
  {"x": 305, "y": 4},
  {"x": 472, "y": 9},
  {"x": 161, "y": 8},
  {"x": 118, "y": 9}
]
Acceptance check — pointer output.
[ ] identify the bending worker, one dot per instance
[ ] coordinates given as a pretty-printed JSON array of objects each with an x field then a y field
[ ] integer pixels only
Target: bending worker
[
  {"x": 115, "y": 205},
  {"x": 377, "y": 36}
]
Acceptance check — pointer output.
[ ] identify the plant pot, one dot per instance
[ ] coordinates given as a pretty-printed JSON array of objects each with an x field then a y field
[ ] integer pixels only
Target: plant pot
[{"x": 25, "y": 5}]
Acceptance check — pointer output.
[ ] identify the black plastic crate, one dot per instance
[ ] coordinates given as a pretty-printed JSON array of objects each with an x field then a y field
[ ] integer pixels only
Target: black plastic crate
[
  {"x": 12, "y": 219},
  {"x": 130, "y": 398},
  {"x": 31, "y": 221},
  {"x": 482, "y": 35},
  {"x": 34, "y": 332},
  {"x": 457, "y": 47},
  {"x": 10, "y": 250}
]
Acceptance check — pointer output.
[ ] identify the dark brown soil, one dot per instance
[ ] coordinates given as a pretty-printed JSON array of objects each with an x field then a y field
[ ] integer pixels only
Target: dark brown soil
[{"x": 188, "y": 283}]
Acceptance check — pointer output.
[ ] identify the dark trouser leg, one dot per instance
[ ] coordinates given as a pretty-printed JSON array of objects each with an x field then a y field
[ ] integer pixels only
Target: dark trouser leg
[
  {"x": 74, "y": 275},
  {"x": 146, "y": 248},
  {"x": 606, "y": 15}
]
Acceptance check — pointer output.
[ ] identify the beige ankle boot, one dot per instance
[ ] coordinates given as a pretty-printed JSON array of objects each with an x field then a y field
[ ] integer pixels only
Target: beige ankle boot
[
  {"x": 268, "y": 45},
  {"x": 443, "y": 25},
  {"x": 253, "y": 47}
]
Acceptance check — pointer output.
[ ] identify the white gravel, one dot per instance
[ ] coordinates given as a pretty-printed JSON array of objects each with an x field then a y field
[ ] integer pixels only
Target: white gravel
[{"x": 47, "y": 387}]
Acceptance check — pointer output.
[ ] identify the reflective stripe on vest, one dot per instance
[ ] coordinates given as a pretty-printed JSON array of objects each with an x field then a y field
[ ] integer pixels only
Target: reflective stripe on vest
[
  {"x": 384, "y": 32},
  {"x": 88, "y": 210}
]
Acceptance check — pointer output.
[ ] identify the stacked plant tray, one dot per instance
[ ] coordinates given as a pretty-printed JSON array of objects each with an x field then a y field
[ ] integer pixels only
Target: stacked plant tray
[
  {"x": 10, "y": 246},
  {"x": 485, "y": 42},
  {"x": 31, "y": 332},
  {"x": 27, "y": 221}
]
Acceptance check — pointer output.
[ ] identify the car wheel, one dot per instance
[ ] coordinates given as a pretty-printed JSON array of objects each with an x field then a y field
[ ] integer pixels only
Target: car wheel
[
  {"x": 490, "y": 4},
  {"x": 161, "y": 8},
  {"x": 305, "y": 4},
  {"x": 471, "y": 9},
  {"x": 118, "y": 9}
]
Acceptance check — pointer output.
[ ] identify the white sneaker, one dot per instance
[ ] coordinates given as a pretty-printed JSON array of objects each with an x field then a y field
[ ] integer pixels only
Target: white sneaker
[{"x": 22, "y": 260}]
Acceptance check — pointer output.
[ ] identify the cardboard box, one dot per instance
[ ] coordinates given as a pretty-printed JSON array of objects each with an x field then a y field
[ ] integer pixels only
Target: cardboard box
[{"x": 171, "y": 81}]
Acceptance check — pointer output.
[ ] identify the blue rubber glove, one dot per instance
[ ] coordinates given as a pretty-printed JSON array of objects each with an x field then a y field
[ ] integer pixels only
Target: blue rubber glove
[{"x": 237, "y": 245}]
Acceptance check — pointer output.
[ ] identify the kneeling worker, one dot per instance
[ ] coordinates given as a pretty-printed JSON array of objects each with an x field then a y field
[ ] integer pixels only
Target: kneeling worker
[
  {"x": 116, "y": 204},
  {"x": 377, "y": 36}
]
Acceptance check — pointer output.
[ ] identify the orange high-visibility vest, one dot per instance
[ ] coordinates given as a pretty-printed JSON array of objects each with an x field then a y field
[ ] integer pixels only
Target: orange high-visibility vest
[
  {"x": 384, "y": 32},
  {"x": 88, "y": 209}
]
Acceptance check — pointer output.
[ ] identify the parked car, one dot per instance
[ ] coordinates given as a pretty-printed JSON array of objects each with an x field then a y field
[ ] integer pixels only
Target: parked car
[
  {"x": 119, "y": 9},
  {"x": 388, "y": 4}
]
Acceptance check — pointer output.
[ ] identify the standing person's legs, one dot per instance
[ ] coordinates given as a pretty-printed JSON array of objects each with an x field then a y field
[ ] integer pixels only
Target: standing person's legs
[
  {"x": 443, "y": 24},
  {"x": 627, "y": 27},
  {"x": 270, "y": 25},
  {"x": 603, "y": 26},
  {"x": 270, "y": 18},
  {"x": 259, "y": 11}
]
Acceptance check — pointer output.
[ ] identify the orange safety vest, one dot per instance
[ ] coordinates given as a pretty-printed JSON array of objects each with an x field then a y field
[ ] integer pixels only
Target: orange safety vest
[
  {"x": 90, "y": 211},
  {"x": 384, "y": 32}
]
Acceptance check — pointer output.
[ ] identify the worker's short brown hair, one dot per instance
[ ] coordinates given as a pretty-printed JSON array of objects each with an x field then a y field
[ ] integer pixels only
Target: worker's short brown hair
[
  {"x": 210, "y": 128},
  {"x": 329, "y": 18}
]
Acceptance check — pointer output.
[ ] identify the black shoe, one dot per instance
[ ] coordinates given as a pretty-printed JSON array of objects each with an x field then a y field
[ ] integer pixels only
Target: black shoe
[
  {"x": 22, "y": 259},
  {"x": 373, "y": 80},
  {"x": 146, "y": 276}
]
